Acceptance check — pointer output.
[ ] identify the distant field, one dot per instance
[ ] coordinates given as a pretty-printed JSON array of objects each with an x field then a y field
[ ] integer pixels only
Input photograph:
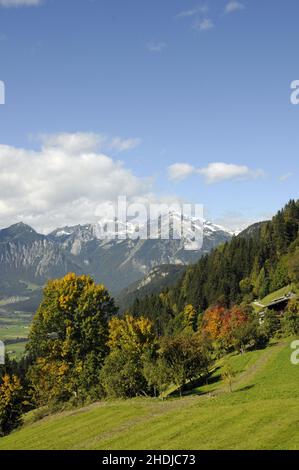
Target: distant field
[
  {"x": 12, "y": 331},
  {"x": 261, "y": 413},
  {"x": 16, "y": 313},
  {"x": 14, "y": 327},
  {"x": 16, "y": 350}
]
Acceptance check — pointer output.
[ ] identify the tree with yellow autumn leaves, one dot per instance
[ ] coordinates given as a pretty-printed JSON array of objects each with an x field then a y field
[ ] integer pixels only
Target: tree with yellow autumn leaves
[
  {"x": 11, "y": 398},
  {"x": 68, "y": 339},
  {"x": 130, "y": 341}
]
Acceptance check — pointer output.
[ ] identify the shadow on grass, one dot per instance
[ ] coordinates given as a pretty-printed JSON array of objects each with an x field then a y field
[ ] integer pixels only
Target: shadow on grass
[
  {"x": 244, "y": 389},
  {"x": 191, "y": 387}
]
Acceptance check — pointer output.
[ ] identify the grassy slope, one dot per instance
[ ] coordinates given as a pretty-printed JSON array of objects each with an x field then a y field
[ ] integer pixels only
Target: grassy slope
[
  {"x": 279, "y": 293},
  {"x": 275, "y": 295},
  {"x": 261, "y": 413}
]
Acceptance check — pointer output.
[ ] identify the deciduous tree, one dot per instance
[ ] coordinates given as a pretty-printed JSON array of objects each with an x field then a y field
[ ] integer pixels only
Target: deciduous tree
[
  {"x": 11, "y": 398},
  {"x": 68, "y": 337}
]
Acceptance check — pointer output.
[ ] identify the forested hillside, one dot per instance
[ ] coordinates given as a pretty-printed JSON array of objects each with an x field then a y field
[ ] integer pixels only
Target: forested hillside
[
  {"x": 81, "y": 349},
  {"x": 260, "y": 260}
]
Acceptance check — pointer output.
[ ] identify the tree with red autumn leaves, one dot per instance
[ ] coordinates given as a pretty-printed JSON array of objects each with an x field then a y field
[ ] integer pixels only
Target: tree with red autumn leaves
[{"x": 229, "y": 328}]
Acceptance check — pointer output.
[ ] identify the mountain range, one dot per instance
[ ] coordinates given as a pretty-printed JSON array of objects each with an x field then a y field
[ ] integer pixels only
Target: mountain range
[{"x": 28, "y": 259}]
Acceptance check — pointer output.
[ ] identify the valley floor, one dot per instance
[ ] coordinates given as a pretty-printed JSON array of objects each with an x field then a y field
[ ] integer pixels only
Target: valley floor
[{"x": 261, "y": 413}]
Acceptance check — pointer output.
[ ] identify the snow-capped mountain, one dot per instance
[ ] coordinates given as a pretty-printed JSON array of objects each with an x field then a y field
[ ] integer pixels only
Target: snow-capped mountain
[
  {"x": 167, "y": 227},
  {"x": 119, "y": 254},
  {"x": 115, "y": 254}
]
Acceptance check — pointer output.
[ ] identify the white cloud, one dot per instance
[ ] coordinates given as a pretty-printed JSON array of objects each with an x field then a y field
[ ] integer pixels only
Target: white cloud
[
  {"x": 19, "y": 3},
  {"x": 73, "y": 143},
  {"x": 286, "y": 176},
  {"x": 63, "y": 182},
  {"x": 214, "y": 172},
  {"x": 192, "y": 12},
  {"x": 180, "y": 171},
  {"x": 204, "y": 24},
  {"x": 122, "y": 145},
  {"x": 156, "y": 46},
  {"x": 236, "y": 221},
  {"x": 201, "y": 23},
  {"x": 234, "y": 5},
  {"x": 85, "y": 141}
]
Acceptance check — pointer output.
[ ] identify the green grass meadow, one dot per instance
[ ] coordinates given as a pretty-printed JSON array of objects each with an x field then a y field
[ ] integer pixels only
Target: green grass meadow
[
  {"x": 262, "y": 412},
  {"x": 12, "y": 330}
]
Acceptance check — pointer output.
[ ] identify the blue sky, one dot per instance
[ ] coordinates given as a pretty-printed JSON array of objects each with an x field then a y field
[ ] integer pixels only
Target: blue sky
[{"x": 160, "y": 83}]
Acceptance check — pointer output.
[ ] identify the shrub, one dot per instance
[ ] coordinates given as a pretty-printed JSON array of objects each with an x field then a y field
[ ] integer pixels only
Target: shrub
[
  {"x": 121, "y": 375},
  {"x": 11, "y": 398},
  {"x": 290, "y": 320}
]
